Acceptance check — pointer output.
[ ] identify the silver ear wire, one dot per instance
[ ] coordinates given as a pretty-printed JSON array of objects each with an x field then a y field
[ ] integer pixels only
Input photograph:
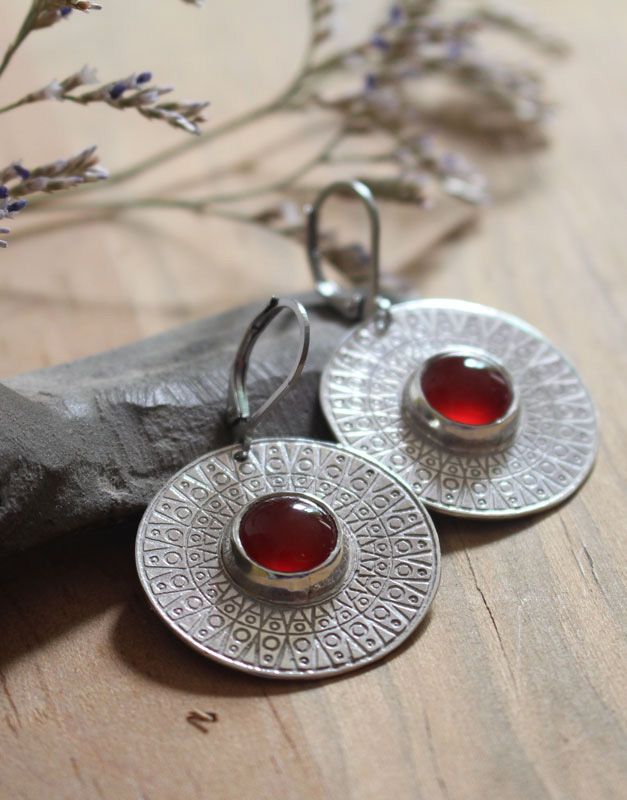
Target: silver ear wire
[
  {"x": 238, "y": 407},
  {"x": 353, "y": 304}
]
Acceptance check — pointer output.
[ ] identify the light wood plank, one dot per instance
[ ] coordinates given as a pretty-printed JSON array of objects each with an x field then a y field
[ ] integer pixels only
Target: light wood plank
[{"x": 514, "y": 687}]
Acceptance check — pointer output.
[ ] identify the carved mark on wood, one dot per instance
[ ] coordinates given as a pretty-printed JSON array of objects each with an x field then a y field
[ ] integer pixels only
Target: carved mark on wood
[{"x": 199, "y": 719}]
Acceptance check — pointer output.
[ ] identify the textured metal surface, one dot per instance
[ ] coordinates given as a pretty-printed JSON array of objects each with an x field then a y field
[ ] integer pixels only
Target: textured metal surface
[
  {"x": 387, "y": 590},
  {"x": 556, "y": 440}
]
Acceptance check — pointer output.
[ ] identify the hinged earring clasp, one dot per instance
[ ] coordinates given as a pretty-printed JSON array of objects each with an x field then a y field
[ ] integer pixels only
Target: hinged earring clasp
[
  {"x": 353, "y": 304},
  {"x": 239, "y": 417}
]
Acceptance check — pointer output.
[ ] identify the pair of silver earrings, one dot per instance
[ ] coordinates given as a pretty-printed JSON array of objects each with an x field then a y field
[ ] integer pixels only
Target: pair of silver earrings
[{"x": 293, "y": 558}]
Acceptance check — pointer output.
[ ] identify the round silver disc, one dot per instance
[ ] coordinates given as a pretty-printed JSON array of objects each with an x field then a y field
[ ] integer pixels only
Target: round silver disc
[
  {"x": 546, "y": 460},
  {"x": 393, "y": 576}
]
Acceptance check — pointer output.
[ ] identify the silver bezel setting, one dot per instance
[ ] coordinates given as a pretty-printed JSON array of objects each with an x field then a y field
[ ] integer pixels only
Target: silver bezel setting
[
  {"x": 286, "y": 587},
  {"x": 448, "y": 431},
  {"x": 550, "y": 453},
  {"x": 390, "y": 580}
]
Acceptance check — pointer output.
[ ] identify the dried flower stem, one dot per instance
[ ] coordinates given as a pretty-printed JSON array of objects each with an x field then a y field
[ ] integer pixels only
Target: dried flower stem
[
  {"x": 414, "y": 42},
  {"x": 130, "y": 92},
  {"x": 287, "y": 180},
  {"x": 27, "y": 26},
  {"x": 43, "y": 13},
  {"x": 16, "y": 181},
  {"x": 209, "y": 204},
  {"x": 309, "y": 74},
  {"x": 241, "y": 121}
]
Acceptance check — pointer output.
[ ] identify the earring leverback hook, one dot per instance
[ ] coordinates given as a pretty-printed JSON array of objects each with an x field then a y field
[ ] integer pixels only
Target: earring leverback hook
[
  {"x": 353, "y": 304},
  {"x": 239, "y": 417}
]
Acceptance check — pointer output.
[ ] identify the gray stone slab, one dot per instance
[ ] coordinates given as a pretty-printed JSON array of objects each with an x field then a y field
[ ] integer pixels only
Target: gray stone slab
[{"x": 88, "y": 443}]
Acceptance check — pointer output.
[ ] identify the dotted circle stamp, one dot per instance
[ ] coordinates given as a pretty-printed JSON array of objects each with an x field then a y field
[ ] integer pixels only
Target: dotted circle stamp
[
  {"x": 472, "y": 407},
  {"x": 367, "y": 583}
]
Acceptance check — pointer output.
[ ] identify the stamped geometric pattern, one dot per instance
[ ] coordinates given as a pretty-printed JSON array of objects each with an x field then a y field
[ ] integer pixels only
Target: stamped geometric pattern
[
  {"x": 556, "y": 440},
  {"x": 387, "y": 590}
]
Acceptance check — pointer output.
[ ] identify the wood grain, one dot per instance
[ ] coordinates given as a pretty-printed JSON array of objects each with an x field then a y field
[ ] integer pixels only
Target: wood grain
[{"x": 515, "y": 685}]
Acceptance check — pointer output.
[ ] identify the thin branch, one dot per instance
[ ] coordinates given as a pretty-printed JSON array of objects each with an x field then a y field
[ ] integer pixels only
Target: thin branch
[
  {"x": 25, "y": 29},
  {"x": 228, "y": 127},
  {"x": 112, "y": 210},
  {"x": 11, "y": 106},
  {"x": 210, "y": 203},
  {"x": 401, "y": 49},
  {"x": 321, "y": 156},
  {"x": 231, "y": 125},
  {"x": 244, "y": 164}
]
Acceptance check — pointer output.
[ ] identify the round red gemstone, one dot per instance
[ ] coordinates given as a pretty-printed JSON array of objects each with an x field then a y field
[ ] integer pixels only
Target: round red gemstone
[
  {"x": 466, "y": 389},
  {"x": 288, "y": 533}
]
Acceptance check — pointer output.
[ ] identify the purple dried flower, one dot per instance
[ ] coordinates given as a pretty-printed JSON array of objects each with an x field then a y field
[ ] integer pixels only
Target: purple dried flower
[
  {"x": 17, "y": 205},
  {"x": 370, "y": 82},
  {"x": 21, "y": 171},
  {"x": 396, "y": 14},
  {"x": 81, "y": 5},
  {"x": 4, "y": 192},
  {"x": 117, "y": 90},
  {"x": 455, "y": 48},
  {"x": 449, "y": 162},
  {"x": 379, "y": 42},
  {"x": 144, "y": 77}
]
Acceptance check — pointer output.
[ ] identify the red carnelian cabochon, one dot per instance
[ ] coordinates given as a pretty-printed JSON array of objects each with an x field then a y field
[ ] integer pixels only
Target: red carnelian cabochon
[
  {"x": 466, "y": 389},
  {"x": 287, "y": 533}
]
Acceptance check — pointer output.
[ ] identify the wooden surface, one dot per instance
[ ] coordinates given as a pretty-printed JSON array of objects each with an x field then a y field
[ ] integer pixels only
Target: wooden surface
[{"x": 515, "y": 685}]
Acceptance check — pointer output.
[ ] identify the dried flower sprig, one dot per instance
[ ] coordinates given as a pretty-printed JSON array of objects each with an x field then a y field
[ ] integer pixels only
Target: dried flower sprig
[
  {"x": 49, "y": 16},
  {"x": 371, "y": 89},
  {"x": 323, "y": 17},
  {"x": 51, "y": 11},
  {"x": 79, "y": 5},
  {"x": 16, "y": 181},
  {"x": 8, "y": 209},
  {"x": 129, "y": 92},
  {"x": 411, "y": 44},
  {"x": 61, "y": 174},
  {"x": 520, "y": 22},
  {"x": 43, "y": 14}
]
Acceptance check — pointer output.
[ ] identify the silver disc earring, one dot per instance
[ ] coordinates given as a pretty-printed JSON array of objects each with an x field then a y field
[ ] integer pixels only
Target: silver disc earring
[
  {"x": 287, "y": 557},
  {"x": 472, "y": 407}
]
